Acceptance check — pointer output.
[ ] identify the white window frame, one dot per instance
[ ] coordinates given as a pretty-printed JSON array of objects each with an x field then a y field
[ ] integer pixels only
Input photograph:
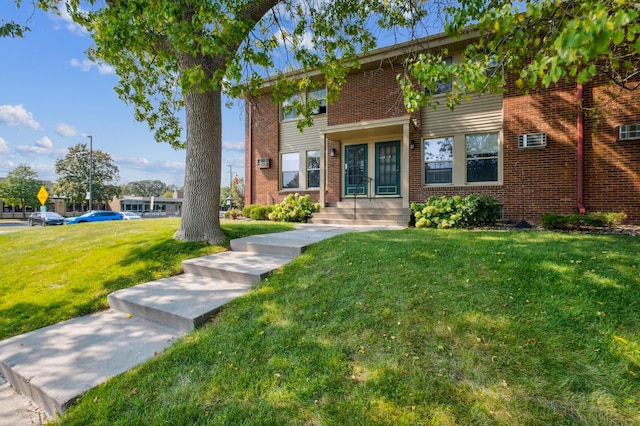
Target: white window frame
[
  {"x": 449, "y": 139},
  {"x": 483, "y": 156},
  {"x": 286, "y": 168},
  {"x": 318, "y": 93},
  {"x": 629, "y": 132},
  {"x": 309, "y": 155}
]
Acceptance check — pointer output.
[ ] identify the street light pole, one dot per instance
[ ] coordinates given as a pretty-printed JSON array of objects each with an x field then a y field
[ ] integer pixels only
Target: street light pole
[
  {"x": 90, "y": 172},
  {"x": 230, "y": 175}
]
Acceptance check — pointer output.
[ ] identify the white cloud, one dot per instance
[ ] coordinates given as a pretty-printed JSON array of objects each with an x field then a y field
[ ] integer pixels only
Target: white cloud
[
  {"x": 27, "y": 150},
  {"x": 4, "y": 146},
  {"x": 67, "y": 21},
  {"x": 67, "y": 130},
  {"x": 44, "y": 142},
  {"x": 233, "y": 146},
  {"x": 16, "y": 115},
  {"x": 86, "y": 65}
]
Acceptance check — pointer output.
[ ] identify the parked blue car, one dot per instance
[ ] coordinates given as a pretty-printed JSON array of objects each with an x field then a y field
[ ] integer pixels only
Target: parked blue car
[{"x": 94, "y": 216}]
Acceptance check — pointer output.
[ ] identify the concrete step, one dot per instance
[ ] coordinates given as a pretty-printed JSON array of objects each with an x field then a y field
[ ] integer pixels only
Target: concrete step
[
  {"x": 288, "y": 244},
  {"x": 183, "y": 302},
  {"x": 374, "y": 203},
  {"x": 246, "y": 268},
  {"x": 54, "y": 365},
  {"x": 345, "y": 221}
]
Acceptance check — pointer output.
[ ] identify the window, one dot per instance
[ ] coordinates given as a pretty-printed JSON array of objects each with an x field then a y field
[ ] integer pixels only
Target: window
[
  {"x": 320, "y": 95},
  {"x": 438, "y": 160},
  {"x": 313, "y": 169},
  {"x": 442, "y": 86},
  {"x": 289, "y": 112},
  {"x": 629, "y": 132},
  {"x": 482, "y": 157},
  {"x": 291, "y": 170}
]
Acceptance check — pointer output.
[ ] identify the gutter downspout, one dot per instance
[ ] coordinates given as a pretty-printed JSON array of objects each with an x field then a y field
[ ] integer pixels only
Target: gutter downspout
[
  {"x": 580, "y": 159},
  {"x": 249, "y": 182}
]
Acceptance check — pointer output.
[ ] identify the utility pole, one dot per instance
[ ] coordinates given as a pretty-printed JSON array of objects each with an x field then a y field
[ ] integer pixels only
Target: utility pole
[{"x": 90, "y": 172}]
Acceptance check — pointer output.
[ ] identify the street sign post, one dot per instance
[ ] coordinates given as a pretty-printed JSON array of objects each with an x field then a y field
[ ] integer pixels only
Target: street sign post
[{"x": 43, "y": 196}]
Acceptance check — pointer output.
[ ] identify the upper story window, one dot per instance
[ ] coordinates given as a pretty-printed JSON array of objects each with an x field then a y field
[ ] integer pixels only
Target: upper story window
[
  {"x": 318, "y": 95},
  {"x": 442, "y": 86},
  {"x": 289, "y": 111},
  {"x": 438, "y": 160}
]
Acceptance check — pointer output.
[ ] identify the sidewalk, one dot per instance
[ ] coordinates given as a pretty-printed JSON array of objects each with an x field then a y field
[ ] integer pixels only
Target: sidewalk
[{"x": 54, "y": 365}]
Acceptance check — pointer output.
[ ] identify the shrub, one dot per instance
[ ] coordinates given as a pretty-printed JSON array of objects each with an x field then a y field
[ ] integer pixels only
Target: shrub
[
  {"x": 294, "y": 208},
  {"x": 455, "y": 212},
  {"x": 232, "y": 214},
  {"x": 246, "y": 210},
  {"x": 260, "y": 212},
  {"x": 570, "y": 222}
]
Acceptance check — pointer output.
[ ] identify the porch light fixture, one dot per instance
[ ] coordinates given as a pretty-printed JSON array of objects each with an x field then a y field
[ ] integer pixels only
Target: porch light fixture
[
  {"x": 332, "y": 152},
  {"x": 412, "y": 145}
]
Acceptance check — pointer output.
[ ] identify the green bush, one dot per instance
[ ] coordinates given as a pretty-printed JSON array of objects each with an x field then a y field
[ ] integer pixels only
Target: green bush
[
  {"x": 455, "y": 212},
  {"x": 570, "y": 222},
  {"x": 294, "y": 208},
  {"x": 231, "y": 214},
  {"x": 246, "y": 210},
  {"x": 260, "y": 212}
]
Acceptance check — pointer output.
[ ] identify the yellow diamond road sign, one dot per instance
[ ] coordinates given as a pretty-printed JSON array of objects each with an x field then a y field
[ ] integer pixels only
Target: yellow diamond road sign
[{"x": 43, "y": 195}]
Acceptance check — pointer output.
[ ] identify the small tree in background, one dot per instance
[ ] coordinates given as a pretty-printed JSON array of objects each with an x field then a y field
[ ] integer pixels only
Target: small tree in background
[
  {"x": 20, "y": 188},
  {"x": 73, "y": 169}
]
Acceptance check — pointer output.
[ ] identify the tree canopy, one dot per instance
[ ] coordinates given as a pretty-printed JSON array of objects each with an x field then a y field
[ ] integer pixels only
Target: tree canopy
[
  {"x": 541, "y": 42},
  {"x": 20, "y": 188},
  {"x": 74, "y": 168},
  {"x": 145, "y": 188}
]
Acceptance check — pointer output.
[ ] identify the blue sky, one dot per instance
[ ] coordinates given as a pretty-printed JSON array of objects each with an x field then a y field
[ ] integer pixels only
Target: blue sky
[{"x": 51, "y": 97}]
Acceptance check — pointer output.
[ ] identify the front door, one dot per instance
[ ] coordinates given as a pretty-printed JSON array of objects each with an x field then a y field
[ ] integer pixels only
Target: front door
[
  {"x": 388, "y": 168},
  {"x": 355, "y": 170}
]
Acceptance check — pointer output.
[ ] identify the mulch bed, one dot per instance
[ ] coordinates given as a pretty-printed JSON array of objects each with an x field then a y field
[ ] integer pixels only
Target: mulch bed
[{"x": 633, "y": 230}]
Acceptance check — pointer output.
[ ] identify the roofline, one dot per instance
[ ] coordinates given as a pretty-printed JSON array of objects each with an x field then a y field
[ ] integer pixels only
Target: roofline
[{"x": 401, "y": 50}]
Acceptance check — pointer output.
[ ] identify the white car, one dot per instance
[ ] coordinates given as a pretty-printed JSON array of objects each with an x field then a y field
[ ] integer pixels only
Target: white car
[{"x": 129, "y": 216}]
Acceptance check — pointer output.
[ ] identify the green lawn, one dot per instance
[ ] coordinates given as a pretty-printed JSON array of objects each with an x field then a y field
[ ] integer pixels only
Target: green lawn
[
  {"x": 407, "y": 327},
  {"x": 59, "y": 272},
  {"x": 391, "y": 328}
]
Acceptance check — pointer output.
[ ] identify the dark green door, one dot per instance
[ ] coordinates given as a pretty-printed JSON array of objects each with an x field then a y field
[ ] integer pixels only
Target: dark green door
[
  {"x": 388, "y": 168},
  {"x": 355, "y": 170}
]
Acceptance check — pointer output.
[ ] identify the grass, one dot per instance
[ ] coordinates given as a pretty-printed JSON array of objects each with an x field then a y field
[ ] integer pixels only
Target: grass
[
  {"x": 51, "y": 274},
  {"x": 408, "y": 327}
]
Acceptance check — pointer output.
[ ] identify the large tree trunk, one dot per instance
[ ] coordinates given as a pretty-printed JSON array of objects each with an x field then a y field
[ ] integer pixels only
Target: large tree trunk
[{"x": 200, "y": 206}]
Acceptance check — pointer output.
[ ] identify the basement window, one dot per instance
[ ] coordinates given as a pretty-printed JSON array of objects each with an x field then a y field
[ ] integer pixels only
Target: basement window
[{"x": 628, "y": 132}]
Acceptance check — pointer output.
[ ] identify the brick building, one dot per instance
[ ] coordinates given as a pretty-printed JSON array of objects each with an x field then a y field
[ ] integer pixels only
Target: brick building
[{"x": 535, "y": 153}]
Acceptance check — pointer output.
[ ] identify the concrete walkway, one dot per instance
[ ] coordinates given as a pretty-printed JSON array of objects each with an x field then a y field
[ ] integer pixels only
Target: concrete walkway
[{"x": 46, "y": 370}]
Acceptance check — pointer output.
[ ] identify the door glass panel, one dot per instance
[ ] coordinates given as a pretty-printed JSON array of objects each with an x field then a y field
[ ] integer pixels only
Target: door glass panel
[{"x": 355, "y": 169}]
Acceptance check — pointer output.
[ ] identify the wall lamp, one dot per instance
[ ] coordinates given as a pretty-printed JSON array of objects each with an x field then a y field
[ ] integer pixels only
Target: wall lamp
[
  {"x": 412, "y": 144},
  {"x": 332, "y": 152}
]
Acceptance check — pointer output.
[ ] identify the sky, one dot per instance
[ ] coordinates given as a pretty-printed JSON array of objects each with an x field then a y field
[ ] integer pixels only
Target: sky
[{"x": 52, "y": 97}]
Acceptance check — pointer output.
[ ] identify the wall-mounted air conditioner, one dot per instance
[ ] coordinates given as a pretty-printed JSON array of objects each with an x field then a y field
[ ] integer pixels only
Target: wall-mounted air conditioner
[
  {"x": 532, "y": 140},
  {"x": 264, "y": 163}
]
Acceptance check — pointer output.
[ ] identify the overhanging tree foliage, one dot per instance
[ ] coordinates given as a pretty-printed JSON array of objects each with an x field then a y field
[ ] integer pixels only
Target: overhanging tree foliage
[
  {"x": 20, "y": 188},
  {"x": 541, "y": 42},
  {"x": 73, "y": 170},
  {"x": 173, "y": 54},
  {"x": 179, "y": 54}
]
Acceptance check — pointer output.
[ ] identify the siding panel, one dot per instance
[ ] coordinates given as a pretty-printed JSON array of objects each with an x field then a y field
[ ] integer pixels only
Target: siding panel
[
  {"x": 291, "y": 140},
  {"x": 480, "y": 114}
]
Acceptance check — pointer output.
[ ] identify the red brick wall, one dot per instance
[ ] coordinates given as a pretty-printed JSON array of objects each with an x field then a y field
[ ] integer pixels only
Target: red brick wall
[
  {"x": 263, "y": 144},
  {"x": 612, "y": 168},
  {"x": 366, "y": 96}
]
